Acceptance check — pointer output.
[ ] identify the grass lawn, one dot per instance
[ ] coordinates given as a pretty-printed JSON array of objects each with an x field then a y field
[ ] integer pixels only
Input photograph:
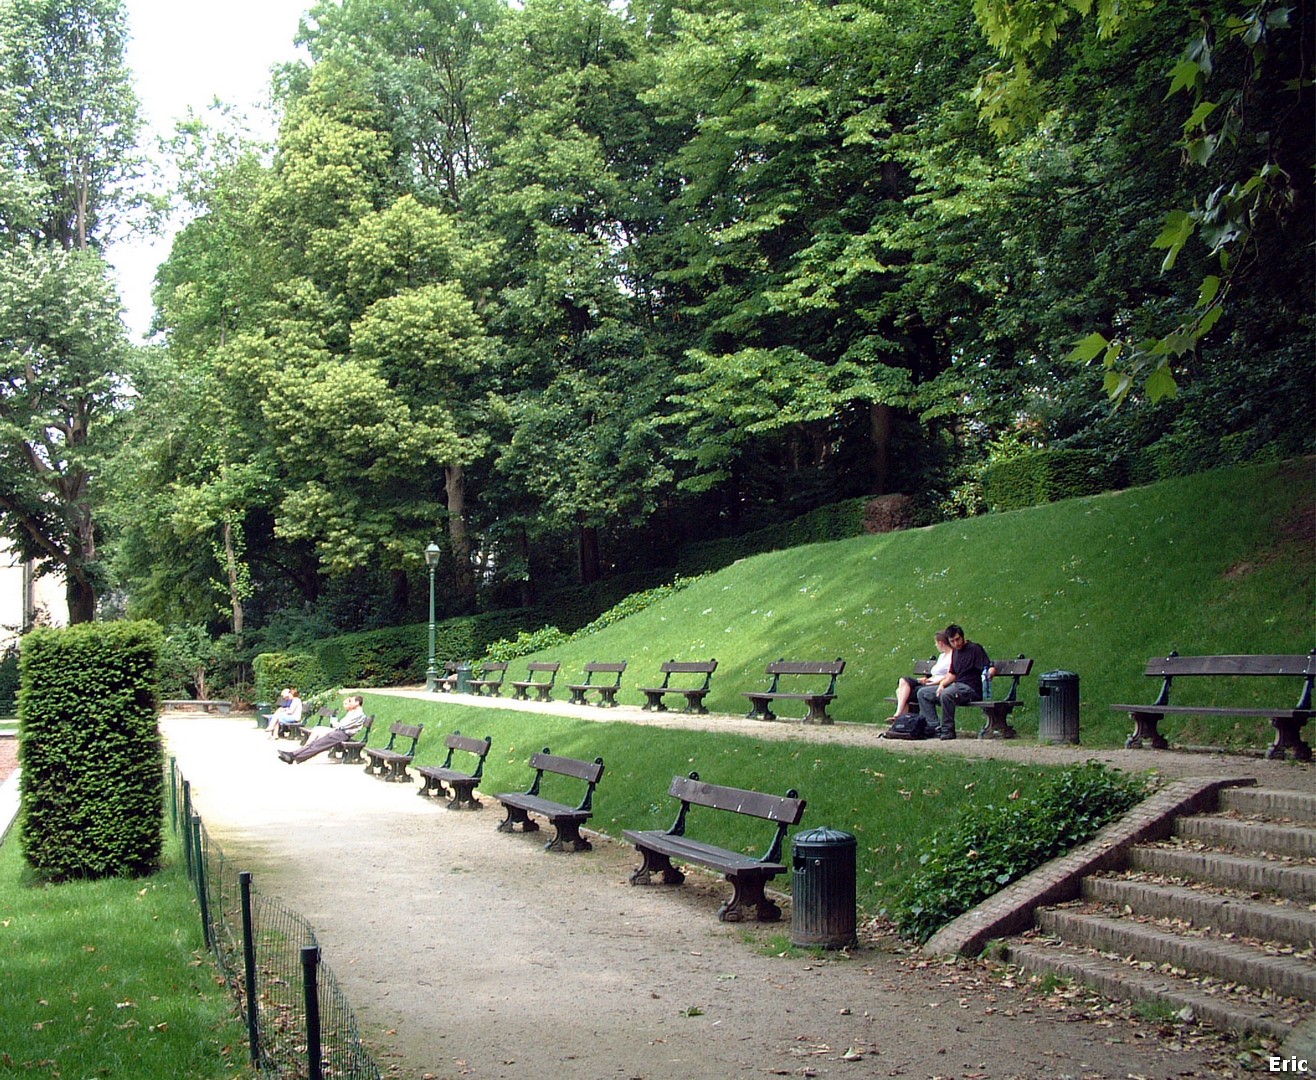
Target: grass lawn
[
  {"x": 110, "y": 979},
  {"x": 890, "y": 801},
  {"x": 1220, "y": 562}
]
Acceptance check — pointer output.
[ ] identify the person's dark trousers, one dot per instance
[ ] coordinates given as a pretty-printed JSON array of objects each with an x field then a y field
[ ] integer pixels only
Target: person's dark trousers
[
  {"x": 951, "y": 696},
  {"x": 319, "y": 745}
]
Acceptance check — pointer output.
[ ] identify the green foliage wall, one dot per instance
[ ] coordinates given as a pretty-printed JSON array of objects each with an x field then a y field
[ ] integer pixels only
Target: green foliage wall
[
  {"x": 836, "y": 521},
  {"x": 274, "y": 671},
  {"x": 1047, "y": 476},
  {"x": 92, "y": 757}
]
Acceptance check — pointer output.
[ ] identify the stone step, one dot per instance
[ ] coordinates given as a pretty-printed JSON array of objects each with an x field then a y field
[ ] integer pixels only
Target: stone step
[
  {"x": 1297, "y": 881},
  {"x": 1223, "y": 913},
  {"x": 1124, "y": 982},
  {"x": 1229, "y": 960},
  {"x": 1270, "y": 803},
  {"x": 1298, "y": 841}
]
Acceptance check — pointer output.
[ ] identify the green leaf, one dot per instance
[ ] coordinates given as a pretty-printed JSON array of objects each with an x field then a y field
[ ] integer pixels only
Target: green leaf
[
  {"x": 1161, "y": 384},
  {"x": 1087, "y": 349},
  {"x": 1185, "y": 75},
  {"x": 1200, "y": 114},
  {"x": 1207, "y": 293}
]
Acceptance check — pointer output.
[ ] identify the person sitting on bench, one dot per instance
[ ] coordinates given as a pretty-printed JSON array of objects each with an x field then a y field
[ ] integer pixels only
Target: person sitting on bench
[
  {"x": 962, "y": 683},
  {"x": 909, "y": 684},
  {"x": 289, "y": 711},
  {"x": 341, "y": 730}
]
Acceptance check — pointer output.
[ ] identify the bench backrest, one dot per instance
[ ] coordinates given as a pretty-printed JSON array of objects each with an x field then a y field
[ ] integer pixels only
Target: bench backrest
[
  {"x": 498, "y": 666},
  {"x": 923, "y": 668},
  {"x": 778, "y": 668},
  {"x": 597, "y": 667},
  {"x": 1298, "y": 664},
  {"x": 1015, "y": 670},
  {"x": 405, "y": 731},
  {"x": 784, "y": 810},
  {"x": 478, "y": 747},
  {"x": 547, "y": 762},
  {"x": 689, "y": 667},
  {"x": 546, "y": 667}
]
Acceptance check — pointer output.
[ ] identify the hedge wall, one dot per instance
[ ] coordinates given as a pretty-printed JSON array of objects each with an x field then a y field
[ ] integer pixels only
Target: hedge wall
[
  {"x": 92, "y": 786},
  {"x": 274, "y": 671},
  {"x": 1047, "y": 476},
  {"x": 837, "y": 521}
]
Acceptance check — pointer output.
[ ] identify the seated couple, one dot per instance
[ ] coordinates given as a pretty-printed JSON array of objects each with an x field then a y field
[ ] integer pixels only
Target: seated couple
[
  {"x": 955, "y": 678},
  {"x": 341, "y": 730}
]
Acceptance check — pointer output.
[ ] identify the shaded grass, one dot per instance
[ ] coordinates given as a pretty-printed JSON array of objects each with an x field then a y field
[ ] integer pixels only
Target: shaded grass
[
  {"x": 110, "y": 979},
  {"x": 890, "y": 801},
  {"x": 1219, "y": 562}
]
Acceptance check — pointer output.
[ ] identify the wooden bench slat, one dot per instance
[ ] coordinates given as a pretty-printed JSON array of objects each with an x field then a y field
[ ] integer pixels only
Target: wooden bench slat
[
  {"x": 607, "y": 691},
  {"x": 438, "y": 778},
  {"x": 389, "y": 764},
  {"x": 694, "y": 695},
  {"x": 760, "y": 701}
]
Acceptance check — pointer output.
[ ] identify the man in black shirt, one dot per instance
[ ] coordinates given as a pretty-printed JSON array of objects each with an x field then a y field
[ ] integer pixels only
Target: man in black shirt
[{"x": 962, "y": 683}]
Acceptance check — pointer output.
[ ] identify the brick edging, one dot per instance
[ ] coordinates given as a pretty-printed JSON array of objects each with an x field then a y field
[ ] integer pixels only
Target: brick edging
[{"x": 1010, "y": 911}]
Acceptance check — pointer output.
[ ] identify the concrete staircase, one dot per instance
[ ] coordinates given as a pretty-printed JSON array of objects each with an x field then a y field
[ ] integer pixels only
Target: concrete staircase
[{"x": 1218, "y": 922}]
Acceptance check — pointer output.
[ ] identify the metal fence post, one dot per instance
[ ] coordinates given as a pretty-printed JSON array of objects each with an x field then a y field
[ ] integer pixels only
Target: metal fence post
[
  {"x": 187, "y": 829},
  {"x": 249, "y": 963},
  {"x": 310, "y": 982},
  {"x": 173, "y": 791},
  {"x": 202, "y": 898}
]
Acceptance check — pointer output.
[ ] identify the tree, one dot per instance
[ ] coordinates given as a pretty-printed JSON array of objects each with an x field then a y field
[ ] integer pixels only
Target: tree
[{"x": 63, "y": 359}]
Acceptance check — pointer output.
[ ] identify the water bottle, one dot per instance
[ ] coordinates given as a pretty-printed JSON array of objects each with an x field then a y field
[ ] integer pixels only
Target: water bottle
[{"x": 987, "y": 684}]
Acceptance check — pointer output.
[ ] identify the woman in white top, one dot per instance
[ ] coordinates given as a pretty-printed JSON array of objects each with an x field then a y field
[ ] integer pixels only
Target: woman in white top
[
  {"x": 908, "y": 684},
  {"x": 286, "y": 714}
]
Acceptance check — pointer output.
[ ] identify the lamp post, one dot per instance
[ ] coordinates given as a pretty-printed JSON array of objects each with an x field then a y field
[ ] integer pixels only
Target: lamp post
[{"x": 432, "y": 552}]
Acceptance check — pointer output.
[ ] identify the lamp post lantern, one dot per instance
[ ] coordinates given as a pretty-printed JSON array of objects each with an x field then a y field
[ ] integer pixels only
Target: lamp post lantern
[{"x": 432, "y": 552}]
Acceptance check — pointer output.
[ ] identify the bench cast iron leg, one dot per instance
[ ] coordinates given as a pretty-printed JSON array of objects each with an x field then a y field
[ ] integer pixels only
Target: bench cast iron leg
[
  {"x": 517, "y": 816},
  {"x": 434, "y": 788},
  {"x": 1145, "y": 728},
  {"x": 568, "y": 832},
  {"x": 1288, "y": 736},
  {"x": 998, "y": 724},
  {"x": 759, "y": 710},
  {"x": 464, "y": 796},
  {"x": 656, "y": 861},
  {"x": 748, "y": 892},
  {"x": 817, "y": 712}
]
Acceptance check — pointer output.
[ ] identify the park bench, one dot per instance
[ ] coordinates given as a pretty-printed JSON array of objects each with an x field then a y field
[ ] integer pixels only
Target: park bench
[
  {"x": 447, "y": 682},
  {"x": 438, "y": 778},
  {"x": 349, "y": 753},
  {"x": 204, "y": 704},
  {"x": 607, "y": 691},
  {"x": 543, "y": 688},
  {"x": 1286, "y": 721},
  {"x": 997, "y": 709},
  {"x": 566, "y": 819},
  {"x": 748, "y": 875},
  {"x": 694, "y": 695},
  {"x": 389, "y": 764},
  {"x": 760, "y": 701},
  {"x": 491, "y": 678}
]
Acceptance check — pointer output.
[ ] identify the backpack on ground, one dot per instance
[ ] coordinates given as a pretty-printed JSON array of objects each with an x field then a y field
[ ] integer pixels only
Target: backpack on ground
[{"x": 910, "y": 725}]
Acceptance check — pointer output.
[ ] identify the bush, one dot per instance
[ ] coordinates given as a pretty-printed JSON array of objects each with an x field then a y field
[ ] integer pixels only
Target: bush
[
  {"x": 1044, "y": 476},
  {"x": 9, "y": 681},
  {"x": 274, "y": 671},
  {"x": 992, "y": 846},
  {"x": 90, "y": 748}
]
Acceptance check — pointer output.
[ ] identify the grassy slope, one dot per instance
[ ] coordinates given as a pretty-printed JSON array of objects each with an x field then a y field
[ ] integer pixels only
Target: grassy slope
[{"x": 1215, "y": 563}]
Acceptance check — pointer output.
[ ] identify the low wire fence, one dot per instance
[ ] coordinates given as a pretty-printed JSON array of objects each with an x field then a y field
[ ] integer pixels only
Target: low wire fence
[{"x": 299, "y": 1025}]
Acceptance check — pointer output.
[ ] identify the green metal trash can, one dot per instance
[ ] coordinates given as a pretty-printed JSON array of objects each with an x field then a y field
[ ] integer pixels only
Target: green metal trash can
[
  {"x": 464, "y": 677},
  {"x": 1057, "y": 714},
  {"x": 263, "y": 709},
  {"x": 823, "y": 888}
]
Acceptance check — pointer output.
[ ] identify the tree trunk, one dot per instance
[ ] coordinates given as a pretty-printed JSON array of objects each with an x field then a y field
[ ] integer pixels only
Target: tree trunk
[
  {"x": 81, "y": 597},
  {"x": 588, "y": 542},
  {"x": 879, "y": 435},
  {"x": 455, "y": 486},
  {"x": 234, "y": 582},
  {"x": 527, "y": 582}
]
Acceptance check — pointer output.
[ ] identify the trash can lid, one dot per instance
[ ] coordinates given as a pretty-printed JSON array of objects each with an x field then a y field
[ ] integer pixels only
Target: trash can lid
[
  {"x": 1058, "y": 676},
  {"x": 825, "y": 837}
]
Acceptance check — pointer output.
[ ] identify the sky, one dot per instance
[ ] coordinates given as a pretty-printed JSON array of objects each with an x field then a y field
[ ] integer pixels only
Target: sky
[{"x": 188, "y": 52}]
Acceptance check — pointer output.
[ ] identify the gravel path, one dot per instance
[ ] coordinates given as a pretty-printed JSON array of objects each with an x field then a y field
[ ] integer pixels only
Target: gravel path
[{"x": 469, "y": 953}]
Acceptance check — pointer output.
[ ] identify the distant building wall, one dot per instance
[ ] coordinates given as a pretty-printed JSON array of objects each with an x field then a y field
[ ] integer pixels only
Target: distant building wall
[{"x": 25, "y": 599}]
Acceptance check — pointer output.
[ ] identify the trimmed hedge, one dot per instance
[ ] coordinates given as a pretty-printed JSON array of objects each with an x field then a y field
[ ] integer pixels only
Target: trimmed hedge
[
  {"x": 1046, "y": 476},
  {"x": 92, "y": 786},
  {"x": 274, "y": 671}
]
